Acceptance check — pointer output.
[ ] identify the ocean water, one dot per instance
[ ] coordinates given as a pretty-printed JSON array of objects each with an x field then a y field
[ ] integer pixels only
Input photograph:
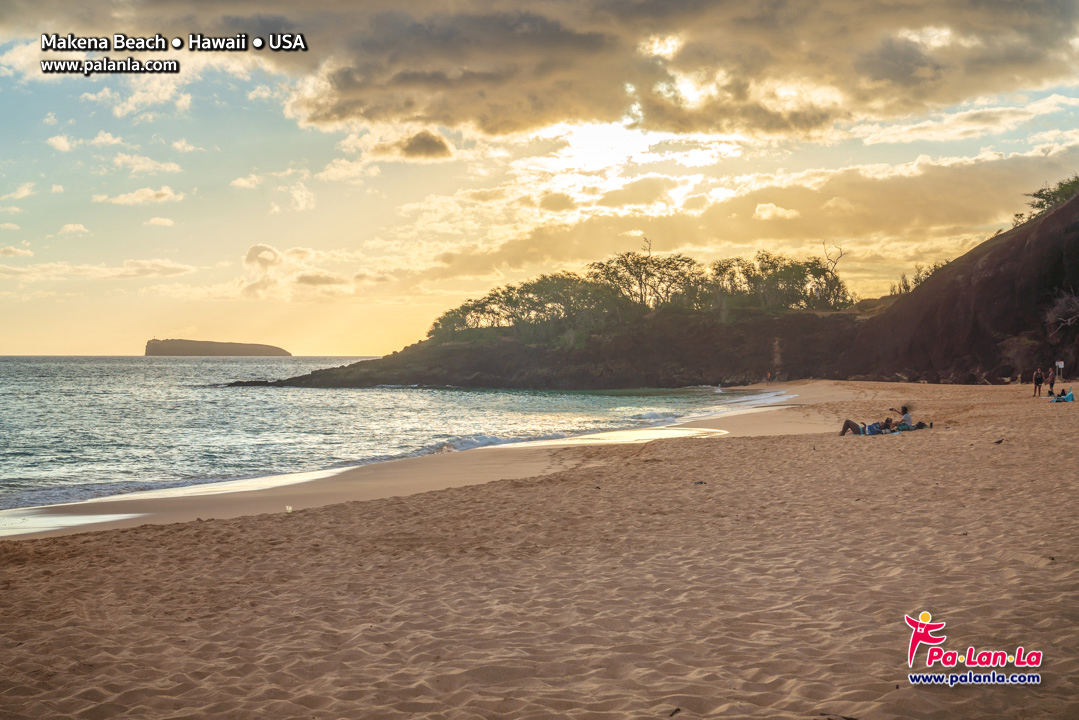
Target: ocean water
[{"x": 75, "y": 428}]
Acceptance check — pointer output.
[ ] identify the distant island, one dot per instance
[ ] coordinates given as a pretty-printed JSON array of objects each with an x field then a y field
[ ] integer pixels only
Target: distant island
[{"x": 166, "y": 348}]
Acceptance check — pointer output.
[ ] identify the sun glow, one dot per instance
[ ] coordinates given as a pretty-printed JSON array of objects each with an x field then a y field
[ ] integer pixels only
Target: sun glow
[{"x": 665, "y": 47}]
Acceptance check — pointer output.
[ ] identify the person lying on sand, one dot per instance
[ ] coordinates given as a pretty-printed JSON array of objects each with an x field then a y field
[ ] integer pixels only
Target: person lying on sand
[
  {"x": 1063, "y": 396},
  {"x": 881, "y": 428},
  {"x": 874, "y": 429},
  {"x": 853, "y": 427}
]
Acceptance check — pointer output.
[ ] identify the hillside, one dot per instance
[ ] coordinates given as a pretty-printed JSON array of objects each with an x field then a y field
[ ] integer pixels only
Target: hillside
[
  {"x": 660, "y": 350},
  {"x": 981, "y": 317}
]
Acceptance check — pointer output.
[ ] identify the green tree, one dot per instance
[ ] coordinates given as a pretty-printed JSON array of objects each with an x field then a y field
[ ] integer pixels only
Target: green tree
[{"x": 633, "y": 283}]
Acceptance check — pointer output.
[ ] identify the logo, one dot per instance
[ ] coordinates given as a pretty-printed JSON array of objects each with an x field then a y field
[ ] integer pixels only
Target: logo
[
  {"x": 922, "y": 634},
  {"x": 922, "y": 631}
]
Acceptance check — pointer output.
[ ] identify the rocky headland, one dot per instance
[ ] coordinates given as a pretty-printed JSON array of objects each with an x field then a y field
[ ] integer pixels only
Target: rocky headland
[{"x": 991, "y": 316}]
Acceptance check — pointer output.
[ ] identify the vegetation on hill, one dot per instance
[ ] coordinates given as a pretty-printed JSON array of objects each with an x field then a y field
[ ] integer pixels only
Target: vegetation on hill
[
  {"x": 1048, "y": 198},
  {"x": 625, "y": 287},
  {"x": 921, "y": 274}
]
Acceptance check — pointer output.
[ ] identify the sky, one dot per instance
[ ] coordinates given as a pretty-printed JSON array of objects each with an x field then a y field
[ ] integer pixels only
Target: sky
[{"x": 336, "y": 200}]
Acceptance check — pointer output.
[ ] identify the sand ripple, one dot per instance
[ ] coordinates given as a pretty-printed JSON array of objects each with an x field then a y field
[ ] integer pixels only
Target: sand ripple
[{"x": 617, "y": 590}]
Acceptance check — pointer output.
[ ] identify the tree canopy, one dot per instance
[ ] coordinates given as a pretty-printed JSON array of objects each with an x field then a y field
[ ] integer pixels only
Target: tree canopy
[{"x": 631, "y": 284}]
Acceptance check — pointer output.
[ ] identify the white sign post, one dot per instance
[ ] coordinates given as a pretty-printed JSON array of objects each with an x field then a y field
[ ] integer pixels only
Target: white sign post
[{"x": 1060, "y": 371}]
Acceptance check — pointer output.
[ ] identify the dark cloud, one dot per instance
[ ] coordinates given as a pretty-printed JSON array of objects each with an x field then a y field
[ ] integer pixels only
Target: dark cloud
[
  {"x": 259, "y": 25},
  {"x": 424, "y": 145},
  {"x": 263, "y": 256},
  {"x": 318, "y": 278},
  {"x": 491, "y": 65},
  {"x": 900, "y": 62}
]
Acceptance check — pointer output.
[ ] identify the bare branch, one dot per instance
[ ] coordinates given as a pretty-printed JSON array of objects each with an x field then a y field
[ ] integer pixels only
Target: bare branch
[{"x": 827, "y": 256}]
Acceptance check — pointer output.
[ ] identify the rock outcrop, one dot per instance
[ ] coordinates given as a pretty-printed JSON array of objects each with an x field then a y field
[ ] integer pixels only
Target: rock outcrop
[{"x": 981, "y": 318}]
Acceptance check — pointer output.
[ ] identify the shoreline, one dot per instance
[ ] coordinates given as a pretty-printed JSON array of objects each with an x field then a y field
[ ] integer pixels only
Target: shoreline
[
  {"x": 385, "y": 478},
  {"x": 764, "y": 574}
]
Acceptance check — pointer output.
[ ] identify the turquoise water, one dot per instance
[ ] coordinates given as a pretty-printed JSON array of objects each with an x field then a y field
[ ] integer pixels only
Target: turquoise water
[{"x": 74, "y": 428}]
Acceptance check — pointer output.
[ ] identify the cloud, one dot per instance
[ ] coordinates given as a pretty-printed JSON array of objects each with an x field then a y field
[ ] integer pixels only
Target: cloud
[
  {"x": 139, "y": 164},
  {"x": 24, "y": 190},
  {"x": 249, "y": 182},
  {"x": 262, "y": 92},
  {"x": 15, "y": 252},
  {"x": 61, "y": 143},
  {"x": 557, "y": 202},
  {"x": 160, "y": 222},
  {"x": 73, "y": 229},
  {"x": 25, "y": 59},
  {"x": 152, "y": 269},
  {"x": 770, "y": 211},
  {"x": 964, "y": 124},
  {"x": 143, "y": 196},
  {"x": 8, "y": 226},
  {"x": 103, "y": 139},
  {"x": 574, "y": 125},
  {"x": 263, "y": 256},
  {"x": 166, "y": 91},
  {"x": 764, "y": 69},
  {"x": 57, "y": 189},
  {"x": 182, "y": 145},
  {"x": 302, "y": 198},
  {"x": 103, "y": 95},
  {"x": 838, "y": 206},
  {"x": 343, "y": 170},
  {"x": 130, "y": 269},
  {"x": 320, "y": 278},
  {"x": 901, "y": 62},
  {"x": 293, "y": 274},
  {"x": 888, "y": 217},
  {"x": 423, "y": 146},
  {"x": 50, "y": 119},
  {"x": 639, "y": 192},
  {"x": 680, "y": 66}
]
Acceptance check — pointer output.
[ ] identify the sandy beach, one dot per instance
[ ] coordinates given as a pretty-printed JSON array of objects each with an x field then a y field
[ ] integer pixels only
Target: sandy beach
[{"x": 763, "y": 572}]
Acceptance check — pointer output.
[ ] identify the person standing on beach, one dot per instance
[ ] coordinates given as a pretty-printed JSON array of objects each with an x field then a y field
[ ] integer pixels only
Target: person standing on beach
[
  {"x": 1038, "y": 379},
  {"x": 1052, "y": 379}
]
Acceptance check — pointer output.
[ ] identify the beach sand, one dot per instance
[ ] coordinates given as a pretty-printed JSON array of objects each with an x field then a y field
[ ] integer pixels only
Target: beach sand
[{"x": 598, "y": 581}]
